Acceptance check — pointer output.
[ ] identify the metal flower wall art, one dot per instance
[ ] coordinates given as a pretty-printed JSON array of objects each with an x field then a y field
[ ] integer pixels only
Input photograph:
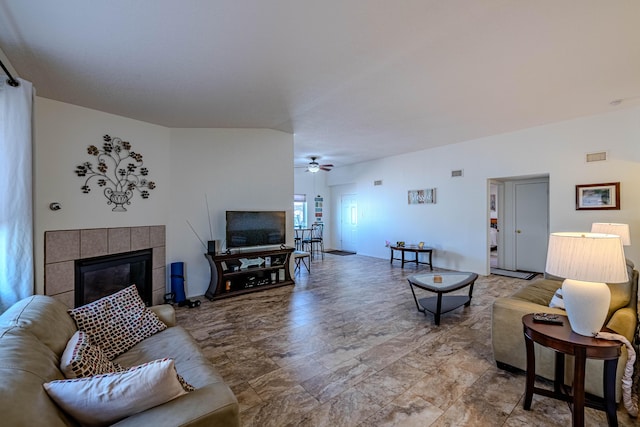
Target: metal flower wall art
[{"x": 118, "y": 170}]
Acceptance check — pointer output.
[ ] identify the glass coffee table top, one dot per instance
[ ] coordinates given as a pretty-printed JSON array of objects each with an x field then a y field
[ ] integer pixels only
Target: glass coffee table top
[{"x": 449, "y": 281}]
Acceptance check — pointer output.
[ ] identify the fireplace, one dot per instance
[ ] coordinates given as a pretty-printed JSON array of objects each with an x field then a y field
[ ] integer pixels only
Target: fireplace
[
  {"x": 62, "y": 248},
  {"x": 104, "y": 275}
]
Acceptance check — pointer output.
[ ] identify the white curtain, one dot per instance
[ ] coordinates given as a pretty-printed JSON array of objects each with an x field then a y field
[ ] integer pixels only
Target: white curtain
[{"x": 16, "y": 211}]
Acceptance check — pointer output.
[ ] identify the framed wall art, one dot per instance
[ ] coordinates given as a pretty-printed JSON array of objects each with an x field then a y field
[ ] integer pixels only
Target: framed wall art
[
  {"x": 419, "y": 197},
  {"x": 598, "y": 196}
]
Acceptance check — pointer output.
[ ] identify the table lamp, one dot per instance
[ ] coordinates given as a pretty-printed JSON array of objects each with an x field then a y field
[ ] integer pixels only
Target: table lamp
[
  {"x": 586, "y": 261},
  {"x": 621, "y": 230}
]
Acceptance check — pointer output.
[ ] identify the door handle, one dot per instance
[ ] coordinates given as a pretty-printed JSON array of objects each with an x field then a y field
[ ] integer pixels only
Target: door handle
[{"x": 518, "y": 231}]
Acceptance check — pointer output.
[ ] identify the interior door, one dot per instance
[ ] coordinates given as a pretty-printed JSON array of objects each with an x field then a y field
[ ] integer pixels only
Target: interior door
[
  {"x": 531, "y": 225},
  {"x": 348, "y": 222}
]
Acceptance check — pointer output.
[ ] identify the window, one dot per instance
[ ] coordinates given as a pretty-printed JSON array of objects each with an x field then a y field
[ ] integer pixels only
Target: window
[{"x": 300, "y": 210}]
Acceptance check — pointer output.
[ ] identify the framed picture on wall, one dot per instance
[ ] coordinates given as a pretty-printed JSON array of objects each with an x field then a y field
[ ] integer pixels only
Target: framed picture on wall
[
  {"x": 598, "y": 196},
  {"x": 419, "y": 197}
]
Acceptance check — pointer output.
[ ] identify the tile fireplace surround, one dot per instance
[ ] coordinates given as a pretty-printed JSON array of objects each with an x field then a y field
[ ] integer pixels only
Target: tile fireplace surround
[{"x": 62, "y": 248}]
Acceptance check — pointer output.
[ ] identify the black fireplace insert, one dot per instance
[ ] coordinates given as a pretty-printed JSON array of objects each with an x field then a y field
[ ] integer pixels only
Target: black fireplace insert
[{"x": 101, "y": 276}]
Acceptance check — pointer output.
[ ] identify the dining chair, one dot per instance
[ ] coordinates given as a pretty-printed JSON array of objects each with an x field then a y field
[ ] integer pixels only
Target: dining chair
[{"x": 315, "y": 241}]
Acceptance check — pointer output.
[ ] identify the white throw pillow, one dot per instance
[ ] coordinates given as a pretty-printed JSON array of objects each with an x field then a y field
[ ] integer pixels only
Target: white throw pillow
[
  {"x": 81, "y": 359},
  {"x": 557, "y": 301},
  {"x": 117, "y": 322},
  {"x": 105, "y": 399}
]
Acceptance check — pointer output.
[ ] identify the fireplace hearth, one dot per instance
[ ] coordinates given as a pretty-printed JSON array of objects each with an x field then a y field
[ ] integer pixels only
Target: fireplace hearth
[{"x": 101, "y": 276}]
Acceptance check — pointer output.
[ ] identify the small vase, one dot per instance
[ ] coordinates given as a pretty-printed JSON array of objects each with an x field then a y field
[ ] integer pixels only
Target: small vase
[{"x": 118, "y": 198}]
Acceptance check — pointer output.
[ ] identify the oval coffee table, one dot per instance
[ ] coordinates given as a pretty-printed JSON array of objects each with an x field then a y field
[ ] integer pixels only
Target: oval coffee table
[{"x": 442, "y": 303}]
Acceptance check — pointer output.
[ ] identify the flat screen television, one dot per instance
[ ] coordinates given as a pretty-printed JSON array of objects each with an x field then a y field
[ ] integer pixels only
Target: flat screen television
[{"x": 255, "y": 228}]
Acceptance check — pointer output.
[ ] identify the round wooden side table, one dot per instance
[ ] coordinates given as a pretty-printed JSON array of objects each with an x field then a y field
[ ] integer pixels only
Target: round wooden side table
[{"x": 564, "y": 341}]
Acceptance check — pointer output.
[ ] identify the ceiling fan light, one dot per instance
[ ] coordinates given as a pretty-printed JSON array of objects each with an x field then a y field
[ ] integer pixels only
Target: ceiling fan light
[{"x": 313, "y": 168}]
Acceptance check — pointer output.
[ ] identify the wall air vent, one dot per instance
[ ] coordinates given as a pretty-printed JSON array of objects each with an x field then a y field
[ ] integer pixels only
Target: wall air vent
[
  {"x": 457, "y": 173},
  {"x": 597, "y": 157},
  {"x": 377, "y": 182}
]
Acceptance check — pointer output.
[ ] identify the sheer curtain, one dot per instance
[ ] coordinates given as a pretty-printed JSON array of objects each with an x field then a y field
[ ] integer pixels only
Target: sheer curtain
[{"x": 16, "y": 213}]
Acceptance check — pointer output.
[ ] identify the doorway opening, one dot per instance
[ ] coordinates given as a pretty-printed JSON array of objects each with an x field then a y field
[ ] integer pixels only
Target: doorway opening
[{"x": 518, "y": 223}]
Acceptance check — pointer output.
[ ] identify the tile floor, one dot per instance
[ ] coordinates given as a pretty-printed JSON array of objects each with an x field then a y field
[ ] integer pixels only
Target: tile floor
[{"x": 346, "y": 346}]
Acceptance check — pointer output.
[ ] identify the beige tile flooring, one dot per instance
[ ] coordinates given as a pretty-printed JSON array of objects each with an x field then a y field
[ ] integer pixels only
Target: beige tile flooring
[{"x": 347, "y": 347}]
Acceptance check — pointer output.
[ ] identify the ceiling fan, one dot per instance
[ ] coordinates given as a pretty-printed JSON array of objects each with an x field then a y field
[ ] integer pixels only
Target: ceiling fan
[{"x": 314, "y": 166}]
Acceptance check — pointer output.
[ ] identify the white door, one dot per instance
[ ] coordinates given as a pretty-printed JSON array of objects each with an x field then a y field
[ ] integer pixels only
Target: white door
[
  {"x": 531, "y": 225},
  {"x": 348, "y": 222}
]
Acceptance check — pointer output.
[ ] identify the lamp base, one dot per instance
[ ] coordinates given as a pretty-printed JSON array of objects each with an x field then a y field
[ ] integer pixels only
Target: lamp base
[{"x": 587, "y": 305}]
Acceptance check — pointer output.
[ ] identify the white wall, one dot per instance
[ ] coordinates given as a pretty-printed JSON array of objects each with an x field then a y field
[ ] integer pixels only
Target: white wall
[
  {"x": 457, "y": 225},
  {"x": 62, "y": 134},
  {"x": 235, "y": 168}
]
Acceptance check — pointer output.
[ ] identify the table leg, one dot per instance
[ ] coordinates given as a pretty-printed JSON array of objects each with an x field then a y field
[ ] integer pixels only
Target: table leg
[
  {"x": 402, "y": 252},
  {"x": 391, "y": 256},
  {"x": 558, "y": 381},
  {"x": 531, "y": 373},
  {"x": 430, "y": 263},
  {"x": 609, "y": 387},
  {"x": 578, "y": 386},
  {"x": 438, "y": 308},
  {"x": 470, "y": 294},
  {"x": 422, "y": 310},
  {"x": 417, "y": 262}
]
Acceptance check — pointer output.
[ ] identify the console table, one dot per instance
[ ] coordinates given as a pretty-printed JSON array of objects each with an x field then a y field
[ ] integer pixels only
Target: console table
[
  {"x": 230, "y": 276},
  {"x": 564, "y": 341},
  {"x": 416, "y": 250}
]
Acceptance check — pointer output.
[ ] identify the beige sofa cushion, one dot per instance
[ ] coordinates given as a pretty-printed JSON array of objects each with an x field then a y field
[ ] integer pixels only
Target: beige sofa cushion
[
  {"x": 538, "y": 292},
  {"x": 36, "y": 315},
  {"x": 212, "y": 398},
  {"x": 22, "y": 375}
]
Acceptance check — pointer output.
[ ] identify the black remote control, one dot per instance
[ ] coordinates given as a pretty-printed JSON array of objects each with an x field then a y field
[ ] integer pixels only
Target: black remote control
[{"x": 549, "y": 318}]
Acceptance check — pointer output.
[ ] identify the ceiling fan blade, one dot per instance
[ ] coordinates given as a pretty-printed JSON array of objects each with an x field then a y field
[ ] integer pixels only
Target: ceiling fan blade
[
  {"x": 322, "y": 168},
  {"x": 326, "y": 166}
]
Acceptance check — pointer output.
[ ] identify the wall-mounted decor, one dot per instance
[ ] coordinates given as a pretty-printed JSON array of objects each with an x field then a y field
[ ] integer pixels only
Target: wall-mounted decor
[
  {"x": 119, "y": 170},
  {"x": 598, "y": 196},
  {"x": 318, "y": 200},
  {"x": 419, "y": 197}
]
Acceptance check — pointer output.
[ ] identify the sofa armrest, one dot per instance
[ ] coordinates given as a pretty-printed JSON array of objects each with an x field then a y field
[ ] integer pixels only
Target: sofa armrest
[
  {"x": 166, "y": 313},
  {"x": 623, "y": 322},
  {"x": 507, "y": 335}
]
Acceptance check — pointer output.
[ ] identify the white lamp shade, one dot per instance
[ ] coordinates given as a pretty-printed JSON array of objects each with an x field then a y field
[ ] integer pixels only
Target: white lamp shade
[
  {"x": 590, "y": 257},
  {"x": 621, "y": 230},
  {"x": 586, "y": 261}
]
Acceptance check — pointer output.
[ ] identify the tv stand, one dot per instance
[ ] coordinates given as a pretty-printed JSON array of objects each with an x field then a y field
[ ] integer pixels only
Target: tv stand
[{"x": 229, "y": 279}]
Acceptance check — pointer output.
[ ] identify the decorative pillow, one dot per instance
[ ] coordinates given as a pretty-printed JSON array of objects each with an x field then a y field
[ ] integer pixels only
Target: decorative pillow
[
  {"x": 105, "y": 399},
  {"x": 81, "y": 359},
  {"x": 117, "y": 322},
  {"x": 557, "y": 301}
]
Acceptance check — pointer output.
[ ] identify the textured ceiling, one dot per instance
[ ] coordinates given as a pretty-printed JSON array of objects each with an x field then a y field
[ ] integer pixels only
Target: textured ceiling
[{"x": 353, "y": 80}]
